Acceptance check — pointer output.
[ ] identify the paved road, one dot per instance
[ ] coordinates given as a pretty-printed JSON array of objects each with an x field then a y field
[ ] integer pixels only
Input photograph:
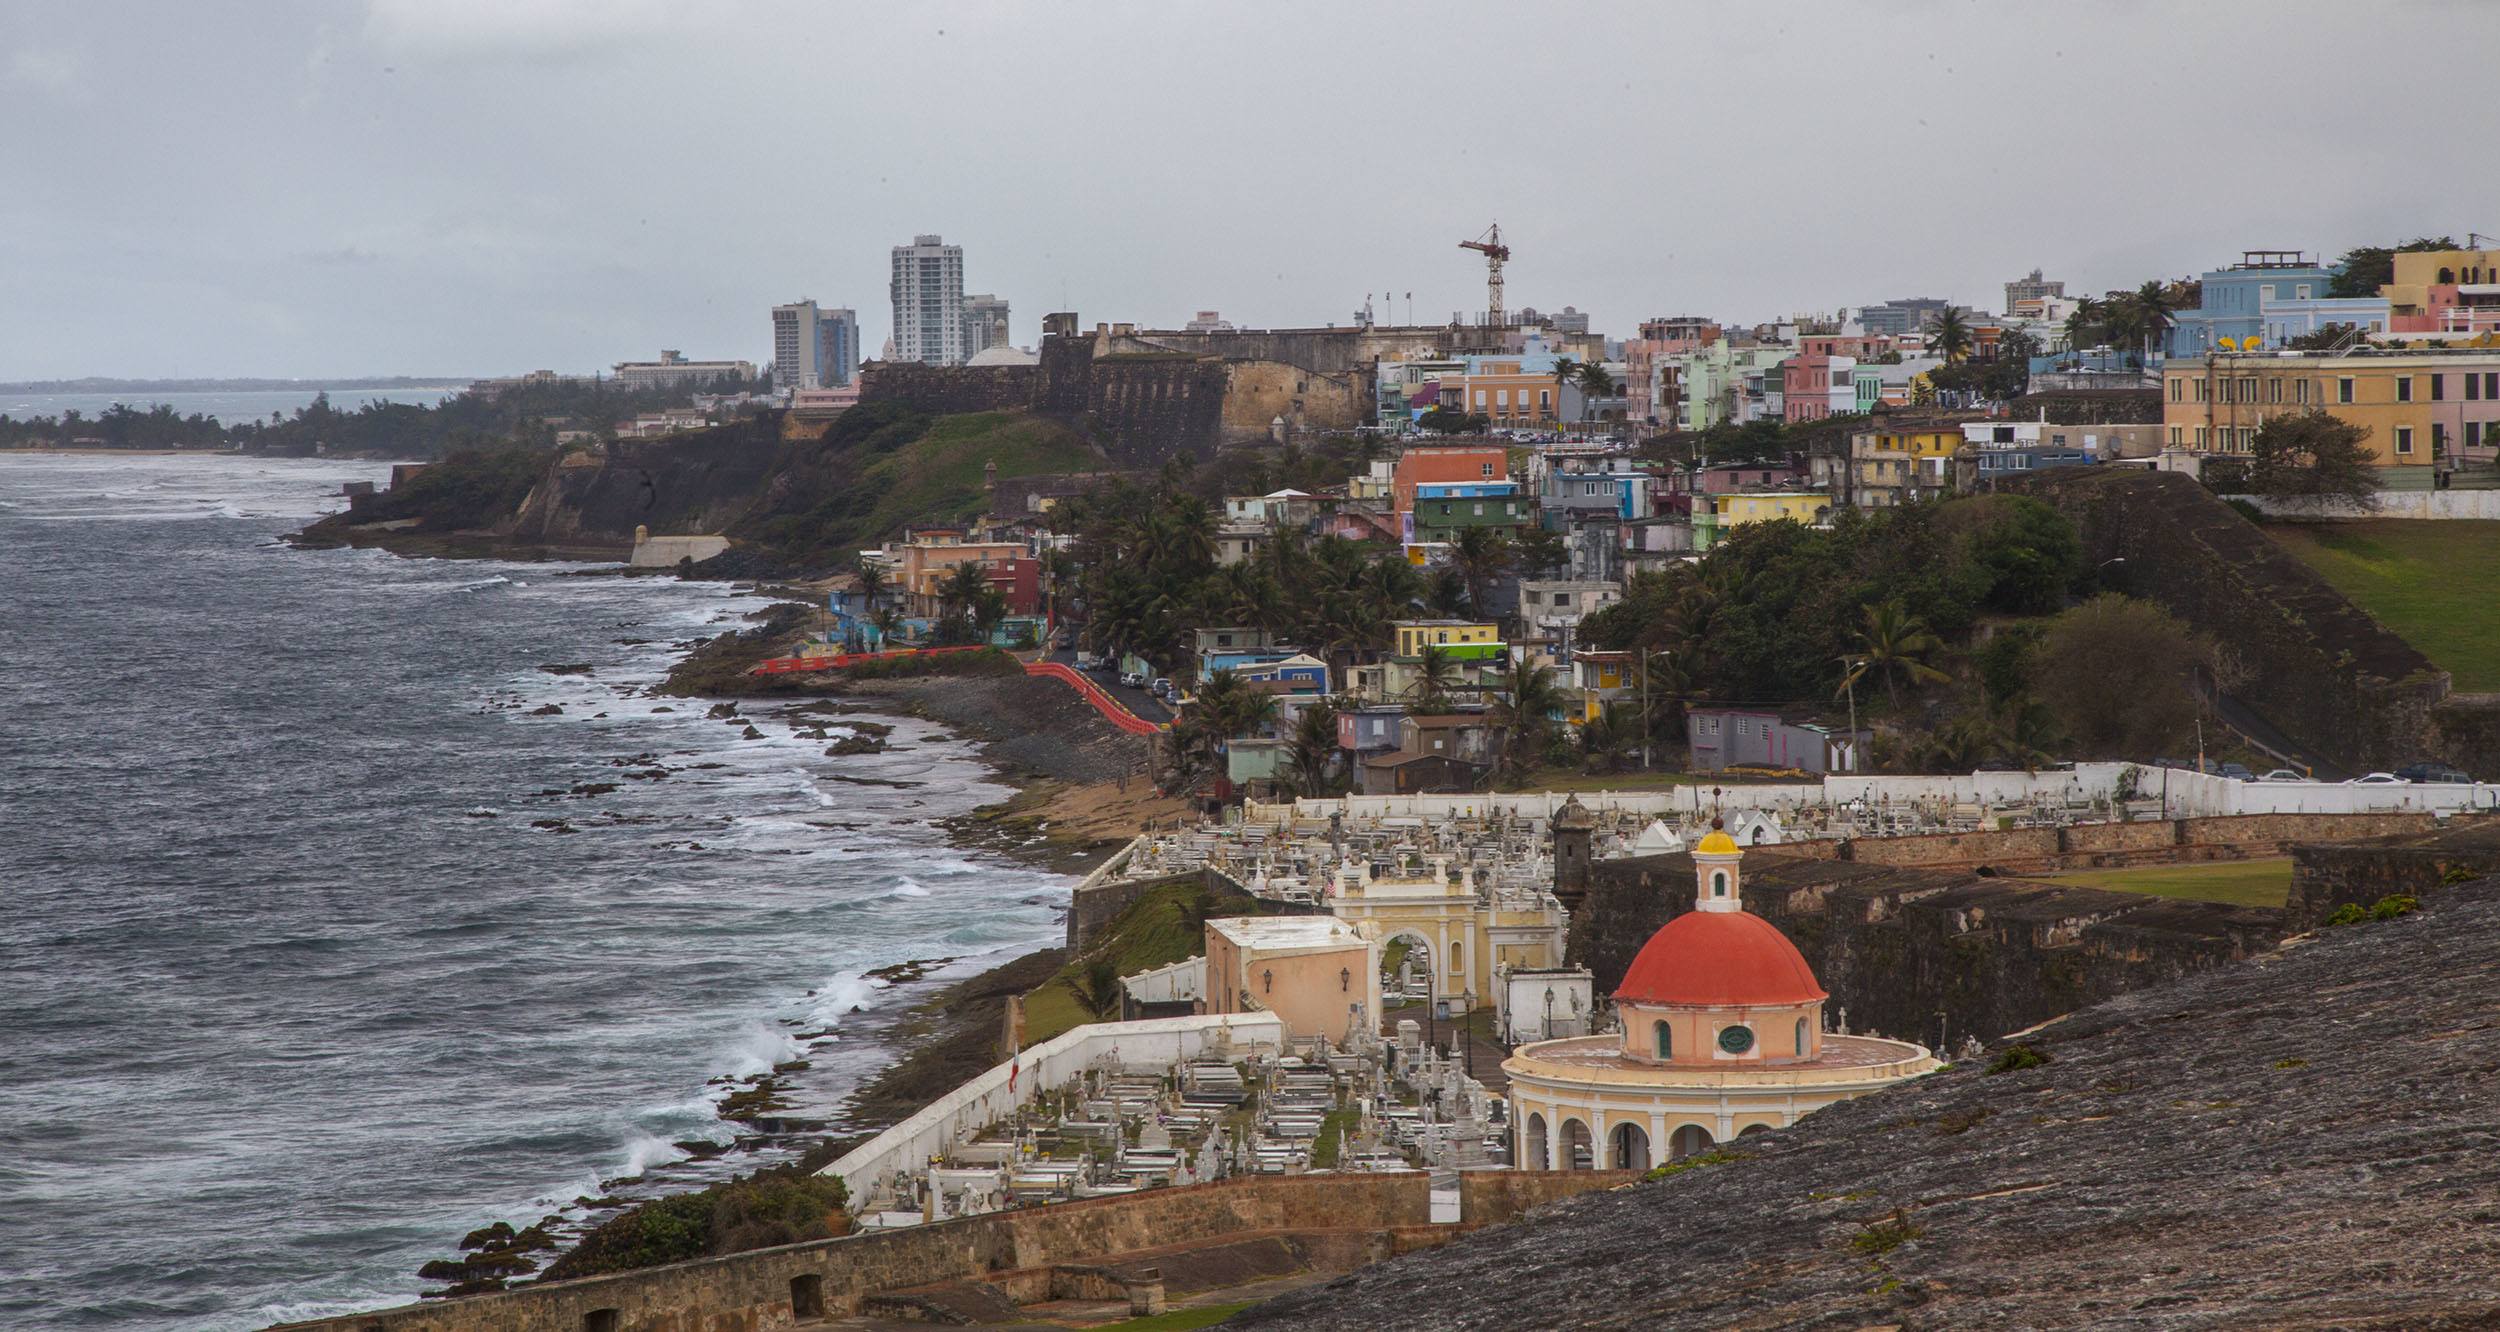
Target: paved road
[{"x": 1139, "y": 701}]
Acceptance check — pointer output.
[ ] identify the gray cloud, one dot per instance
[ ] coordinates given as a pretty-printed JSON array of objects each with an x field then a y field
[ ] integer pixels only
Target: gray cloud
[{"x": 493, "y": 185}]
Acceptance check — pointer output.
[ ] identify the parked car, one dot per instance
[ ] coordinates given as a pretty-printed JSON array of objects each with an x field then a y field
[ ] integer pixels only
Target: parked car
[
  {"x": 2376, "y": 779},
  {"x": 2237, "y": 771},
  {"x": 2282, "y": 775},
  {"x": 1132, "y": 680},
  {"x": 2431, "y": 772},
  {"x": 1162, "y": 687}
]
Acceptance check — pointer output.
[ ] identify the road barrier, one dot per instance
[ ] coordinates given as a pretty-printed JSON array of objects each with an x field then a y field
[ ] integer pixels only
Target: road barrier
[{"x": 1111, "y": 708}]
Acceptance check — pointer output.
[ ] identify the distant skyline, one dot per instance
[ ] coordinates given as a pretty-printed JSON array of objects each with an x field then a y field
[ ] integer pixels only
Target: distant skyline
[{"x": 310, "y": 189}]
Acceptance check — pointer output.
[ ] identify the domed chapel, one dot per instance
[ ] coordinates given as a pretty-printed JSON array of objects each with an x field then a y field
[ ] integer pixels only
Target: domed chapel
[{"x": 1721, "y": 1035}]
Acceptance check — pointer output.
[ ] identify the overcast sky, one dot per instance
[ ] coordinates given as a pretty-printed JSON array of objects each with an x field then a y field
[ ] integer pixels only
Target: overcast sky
[{"x": 488, "y": 186}]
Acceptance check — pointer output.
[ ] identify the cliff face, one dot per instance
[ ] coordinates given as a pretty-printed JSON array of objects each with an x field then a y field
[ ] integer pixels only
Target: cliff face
[
  {"x": 793, "y": 499},
  {"x": 2305, "y": 1140},
  {"x": 1897, "y": 947},
  {"x": 700, "y": 481}
]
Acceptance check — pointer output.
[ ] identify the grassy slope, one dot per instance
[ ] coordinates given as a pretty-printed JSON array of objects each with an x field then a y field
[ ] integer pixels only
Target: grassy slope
[
  {"x": 938, "y": 476},
  {"x": 2257, "y": 883},
  {"x": 1153, "y": 932},
  {"x": 2429, "y": 581}
]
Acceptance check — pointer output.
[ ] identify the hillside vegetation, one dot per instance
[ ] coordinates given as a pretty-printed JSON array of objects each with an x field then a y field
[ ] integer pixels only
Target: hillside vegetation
[
  {"x": 2429, "y": 581},
  {"x": 883, "y": 466}
]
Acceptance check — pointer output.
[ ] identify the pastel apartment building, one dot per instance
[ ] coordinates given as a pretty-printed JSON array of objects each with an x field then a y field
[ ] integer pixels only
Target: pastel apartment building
[{"x": 2417, "y": 407}]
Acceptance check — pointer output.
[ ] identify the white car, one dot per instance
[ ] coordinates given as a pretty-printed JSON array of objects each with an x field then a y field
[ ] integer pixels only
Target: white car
[
  {"x": 2377, "y": 779},
  {"x": 2282, "y": 775}
]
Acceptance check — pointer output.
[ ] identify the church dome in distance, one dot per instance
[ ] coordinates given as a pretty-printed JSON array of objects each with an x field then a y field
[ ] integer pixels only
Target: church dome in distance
[{"x": 1719, "y": 959}]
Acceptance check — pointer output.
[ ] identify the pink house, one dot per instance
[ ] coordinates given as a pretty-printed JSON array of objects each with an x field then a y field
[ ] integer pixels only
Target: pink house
[{"x": 1818, "y": 385}]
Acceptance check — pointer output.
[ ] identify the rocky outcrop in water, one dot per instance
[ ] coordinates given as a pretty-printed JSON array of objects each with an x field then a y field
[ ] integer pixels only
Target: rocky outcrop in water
[{"x": 2309, "y": 1139}]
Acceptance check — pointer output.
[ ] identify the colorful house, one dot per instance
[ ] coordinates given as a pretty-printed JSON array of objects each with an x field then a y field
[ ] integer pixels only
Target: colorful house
[{"x": 1464, "y": 639}]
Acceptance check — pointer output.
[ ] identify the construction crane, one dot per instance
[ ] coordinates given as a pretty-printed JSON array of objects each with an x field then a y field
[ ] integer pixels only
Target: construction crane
[{"x": 1490, "y": 246}]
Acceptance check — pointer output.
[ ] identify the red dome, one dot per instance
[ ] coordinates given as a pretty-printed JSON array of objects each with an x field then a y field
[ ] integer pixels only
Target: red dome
[{"x": 1719, "y": 959}]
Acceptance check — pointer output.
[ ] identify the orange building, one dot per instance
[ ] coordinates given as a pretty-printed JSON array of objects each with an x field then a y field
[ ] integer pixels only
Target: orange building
[
  {"x": 1511, "y": 394},
  {"x": 1446, "y": 464},
  {"x": 2417, "y": 406},
  {"x": 1318, "y": 973},
  {"x": 921, "y": 565}
]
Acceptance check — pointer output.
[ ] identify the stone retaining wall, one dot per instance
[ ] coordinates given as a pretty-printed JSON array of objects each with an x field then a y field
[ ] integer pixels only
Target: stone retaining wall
[
  {"x": 1908, "y": 952},
  {"x": 751, "y": 1292},
  {"x": 2103, "y": 845}
]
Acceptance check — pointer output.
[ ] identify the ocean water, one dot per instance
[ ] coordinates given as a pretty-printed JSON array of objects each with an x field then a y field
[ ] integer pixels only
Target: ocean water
[
  {"x": 225, "y": 407},
  {"x": 293, "y": 993}
]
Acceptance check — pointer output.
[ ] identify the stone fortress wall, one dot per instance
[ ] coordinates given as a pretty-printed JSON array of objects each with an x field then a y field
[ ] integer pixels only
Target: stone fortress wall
[
  {"x": 1932, "y": 955},
  {"x": 2320, "y": 668},
  {"x": 1024, "y": 1255}
]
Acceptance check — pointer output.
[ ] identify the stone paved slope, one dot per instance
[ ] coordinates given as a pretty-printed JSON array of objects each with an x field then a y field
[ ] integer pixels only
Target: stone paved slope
[{"x": 2310, "y": 1139}]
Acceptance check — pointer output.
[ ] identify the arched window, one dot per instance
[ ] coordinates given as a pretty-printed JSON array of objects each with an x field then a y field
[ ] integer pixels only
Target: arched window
[
  {"x": 1718, "y": 883},
  {"x": 1801, "y": 1037},
  {"x": 1665, "y": 1038}
]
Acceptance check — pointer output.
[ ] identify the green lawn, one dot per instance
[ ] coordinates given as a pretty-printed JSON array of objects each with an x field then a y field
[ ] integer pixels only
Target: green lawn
[
  {"x": 2429, "y": 581},
  {"x": 2256, "y": 883},
  {"x": 1179, "y": 1320},
  {"x": 1154, "y": 931}
]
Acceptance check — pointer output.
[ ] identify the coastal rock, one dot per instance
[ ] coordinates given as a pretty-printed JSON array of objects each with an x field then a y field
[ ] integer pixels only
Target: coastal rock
[
  {"x": 750, "y": 733},
  {"x": 565, "y": 668},
  {"x": 593, "y": 789},
  {"x": 854, "y": 744},
  {"x": 554, "y": 825},
  {"x": 551, "y": 710},
  {"x": 720, "y": 710}
]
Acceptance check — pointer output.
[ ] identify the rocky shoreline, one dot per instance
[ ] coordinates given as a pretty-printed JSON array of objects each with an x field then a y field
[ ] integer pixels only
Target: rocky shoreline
[{"x": 1080, "y": 792}]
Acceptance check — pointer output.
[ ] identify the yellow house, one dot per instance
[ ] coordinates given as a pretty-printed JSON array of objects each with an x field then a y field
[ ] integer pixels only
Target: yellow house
[
  {"x": 2408, "y": 295},
  {"x": 2413, "y": 404},
  {"x": 1894, "y": 464},
  {"x": 1415, "y": 635},
  {"x": 1806, "y": 506}
]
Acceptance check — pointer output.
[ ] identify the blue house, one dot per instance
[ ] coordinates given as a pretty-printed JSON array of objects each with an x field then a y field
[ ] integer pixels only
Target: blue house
[{"x": 2234, "y": 301}]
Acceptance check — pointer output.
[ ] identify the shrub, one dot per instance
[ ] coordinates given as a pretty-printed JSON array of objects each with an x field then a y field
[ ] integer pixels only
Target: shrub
[
  {"x": 1694, "y": 1162},
  {"x": 2015, "y": 1059},
  {"x": 1885, "y": 1236},
  {"x": 2349, "y": 913},
  {"x": 2394, "y": 905}
]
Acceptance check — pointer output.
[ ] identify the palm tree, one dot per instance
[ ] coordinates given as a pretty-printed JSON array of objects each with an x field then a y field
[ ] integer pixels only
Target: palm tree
[
  {"x": 2151, "y": 305},
  {"x": 1227, "y": 706},
  {"x": 872, "y": 580},
  {"x": 1525, "y": 713},
  {"x": 1949, "y": 334},
  {"x": 1097, "y": 989},
  {"x": 889, "y": 622},
  {"x": 2083, "y": 323},
  {"x": 1481, "y": 555},
  {"x": 1435, "y": 672},
  {"x": 1311, "y": 754},
  {"x": 1594, "y": 383},
  {"x": 1893, "y": 645},
  {"x": 963, "y": 586},
  {"x": 987, "y": 609}
]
